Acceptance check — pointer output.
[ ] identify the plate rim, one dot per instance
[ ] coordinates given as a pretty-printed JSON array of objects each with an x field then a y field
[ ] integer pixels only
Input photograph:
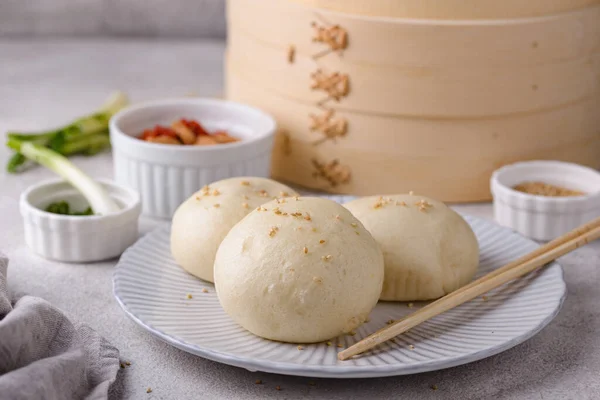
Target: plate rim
[{"x": 337, "y": 371}]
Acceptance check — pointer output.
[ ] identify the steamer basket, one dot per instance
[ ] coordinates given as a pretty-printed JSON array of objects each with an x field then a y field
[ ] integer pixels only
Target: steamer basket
[
  {"x": 448, "y": 159},
  {"x": 420, "y": 91}
]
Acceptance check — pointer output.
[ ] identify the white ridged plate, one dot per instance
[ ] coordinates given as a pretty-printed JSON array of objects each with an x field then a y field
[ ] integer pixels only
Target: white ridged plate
[{"x": 152, "y": 290}]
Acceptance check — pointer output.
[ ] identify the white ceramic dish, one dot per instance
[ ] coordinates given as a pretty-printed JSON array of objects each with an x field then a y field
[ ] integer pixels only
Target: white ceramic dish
[
  {"x": 152, "y": 290},
  {"x": 542, "y": 217},
  {"x": 166, "y": 175},
  {"x": 78, "y": 238}
]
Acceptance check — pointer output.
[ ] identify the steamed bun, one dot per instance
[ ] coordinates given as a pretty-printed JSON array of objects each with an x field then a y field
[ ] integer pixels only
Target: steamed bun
[
  {"x": 299, "y": 270},
  {"x": 203, "y": 220},
  {"x": 429, "y": 250}
]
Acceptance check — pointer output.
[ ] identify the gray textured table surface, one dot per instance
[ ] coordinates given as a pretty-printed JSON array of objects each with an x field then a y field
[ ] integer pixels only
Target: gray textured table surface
[{"x": 44, "y": 83}]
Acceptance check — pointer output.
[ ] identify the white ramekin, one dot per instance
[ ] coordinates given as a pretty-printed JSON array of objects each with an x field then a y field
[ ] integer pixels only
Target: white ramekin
[
  {"x": 542, "y": 217},
  {"x": 166, "y": 175},
  {"x": 78, "y": 238}
]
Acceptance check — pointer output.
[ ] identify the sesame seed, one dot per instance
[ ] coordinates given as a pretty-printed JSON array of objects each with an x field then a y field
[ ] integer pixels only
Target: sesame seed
[
  {"x": 122, "y": 365},
  {"x": 307, "y": 217},
  {"x": 389, "y": 322},
  {"x": 277, "y": 387},
  {"x": 204, "y": 290},
  {"x": 205, "y": 188},
  {"x": 300, "y": 348},
  {"x": 278, "y": 212},
  {"x": 354, "y": 224},
  {"x": 297, "y": 198},
  {"x": 434, "y": 387},
  {"x": 328, "y": 344},
  {"x": 245, "y": 183},
  {"x": 401, "y": 203},
  {"x": 305, "y": 249},
  {"x": 378, "y": 205},
  {"x": 322, "y": 241},
  {"x": 245, "y": 205},
  {"x": 317, "y": 279},
  {"x": 149, "y": 390},
  {"x": 284, "y": 194},
  {"x": 263, "y": 193},
  {"x": 340, "y": 345},
  {"x": 357, "y": 232},
  {"x": 258, "y": 382},
  {"x": 216, "y": 192},
  {"x": 485, "y": 298},
  {"x": 410, "y": 346},
  {"x": 198, "y": 198},
  {"x": 285, "y": 214},
  {"x": 327, "y": 257},
  {"x": 217, "y": 205},
  {"x": 273, "y": 231},
  {"x": 314, "y": 229},
  {"x": 127, "y": 363},
  {"x": 338, "y": 217},
  {"x": 189, "y": 296}
]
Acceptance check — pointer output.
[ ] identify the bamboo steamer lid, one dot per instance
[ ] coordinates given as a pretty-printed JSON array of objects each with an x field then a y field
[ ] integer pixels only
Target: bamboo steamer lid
[
  {"x": 419, "y": 91},
  {"x": 448, "y": 9},
  {"x": 418, "y": 43},
  {"x": 449, "y": 159}
]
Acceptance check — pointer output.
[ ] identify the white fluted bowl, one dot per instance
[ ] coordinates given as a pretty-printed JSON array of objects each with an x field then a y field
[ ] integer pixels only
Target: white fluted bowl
[
  {"x": 542, "y": 217},
  {"x": 78, "y": 238},
  {"x": 166, "y": 175}
]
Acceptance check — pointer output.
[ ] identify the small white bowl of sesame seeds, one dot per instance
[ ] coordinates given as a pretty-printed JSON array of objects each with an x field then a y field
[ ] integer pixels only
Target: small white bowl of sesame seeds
[
  {"x": 545, "y": 199},
  {"x": 166, "y": 175}
]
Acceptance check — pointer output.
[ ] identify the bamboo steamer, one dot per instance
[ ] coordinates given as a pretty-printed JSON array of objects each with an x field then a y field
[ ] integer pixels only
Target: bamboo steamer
[
  {"x": 449, "y": 9},
  {"x": 420, "y": 91},
  {"x": 448, "y": 159},
  {"x": 432, "y": 106}
]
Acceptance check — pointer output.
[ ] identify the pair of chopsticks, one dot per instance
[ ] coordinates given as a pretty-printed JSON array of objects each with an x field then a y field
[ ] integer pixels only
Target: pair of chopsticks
[{"x": 558, "y": 247}]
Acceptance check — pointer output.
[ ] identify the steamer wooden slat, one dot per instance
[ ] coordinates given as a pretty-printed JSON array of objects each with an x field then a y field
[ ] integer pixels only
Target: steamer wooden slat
[
  {"x": 449, "y": 9},
  {"x": 418, "y": 43},
  {"x": 419, "y": 91},
  {"x": 449, "y": 159}
]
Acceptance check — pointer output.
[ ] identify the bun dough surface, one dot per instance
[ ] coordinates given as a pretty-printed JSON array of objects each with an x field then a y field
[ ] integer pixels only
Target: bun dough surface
[
  {"x": 203, "y": 220},
  {"x": 429, "y": 250},
  {"x": 299, "y": 271}
]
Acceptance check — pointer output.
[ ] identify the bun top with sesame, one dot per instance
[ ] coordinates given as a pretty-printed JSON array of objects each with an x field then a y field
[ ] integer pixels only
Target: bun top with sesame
[
  {"x": 203, "y": 220},
  {"x": 299, "y": 270},
  {"x": 429, "y": 249}
]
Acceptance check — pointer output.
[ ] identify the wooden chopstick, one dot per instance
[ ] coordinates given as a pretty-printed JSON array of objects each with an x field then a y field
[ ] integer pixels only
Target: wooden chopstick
[{"x": 524, "y": 265}]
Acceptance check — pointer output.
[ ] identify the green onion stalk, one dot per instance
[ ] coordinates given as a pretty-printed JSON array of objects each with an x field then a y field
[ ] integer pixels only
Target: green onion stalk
[{"x": 87, "y": 135}]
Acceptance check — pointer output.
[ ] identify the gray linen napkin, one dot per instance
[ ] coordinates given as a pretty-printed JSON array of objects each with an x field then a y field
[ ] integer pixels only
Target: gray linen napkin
[{"x": 45, "y": 356}]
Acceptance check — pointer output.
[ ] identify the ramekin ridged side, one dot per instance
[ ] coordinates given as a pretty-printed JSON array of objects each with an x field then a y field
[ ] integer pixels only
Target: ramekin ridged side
[
  {"x": 79, "y": 238},
  {"x": 166, "y": 175},
  {"x": 540, "y": 217}
]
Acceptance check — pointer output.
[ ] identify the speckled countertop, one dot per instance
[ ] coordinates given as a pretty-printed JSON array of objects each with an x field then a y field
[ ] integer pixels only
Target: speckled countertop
[{"x": 43, "y": 83}]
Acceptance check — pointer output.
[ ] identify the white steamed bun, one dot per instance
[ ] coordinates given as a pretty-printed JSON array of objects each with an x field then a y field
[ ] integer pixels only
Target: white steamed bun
[{"x": 299, "y": 270}]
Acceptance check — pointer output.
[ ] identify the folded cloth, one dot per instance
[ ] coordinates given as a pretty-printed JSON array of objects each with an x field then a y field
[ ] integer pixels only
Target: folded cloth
[{"x": 45, "y": 356}]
